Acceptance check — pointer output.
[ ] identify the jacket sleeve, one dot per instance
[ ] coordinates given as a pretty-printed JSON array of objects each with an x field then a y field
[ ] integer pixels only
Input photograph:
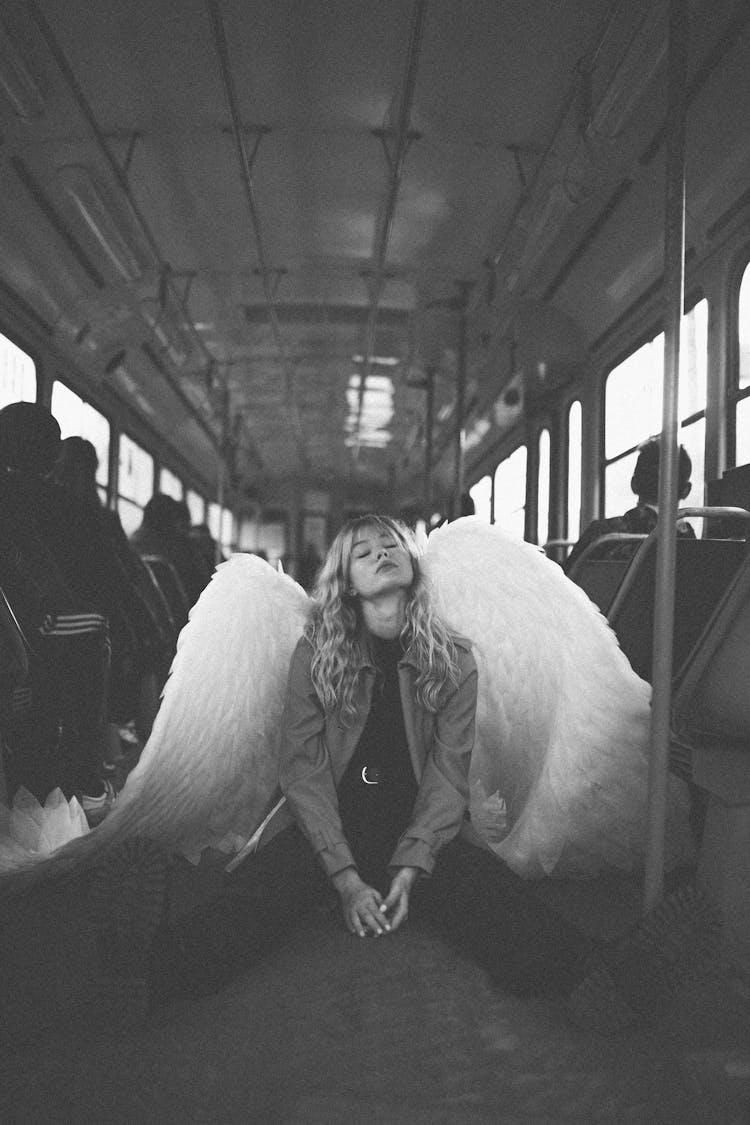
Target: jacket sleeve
[
  {"x": 305, "y": 773},
  {"x": 443, "y": 795}
]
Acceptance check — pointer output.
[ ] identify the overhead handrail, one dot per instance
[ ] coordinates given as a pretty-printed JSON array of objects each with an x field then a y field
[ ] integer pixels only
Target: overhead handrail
[
  {"x": 396, "y": 160},
  {"x": 245, "y": 162},
  {"x": 120, "y": 176}
]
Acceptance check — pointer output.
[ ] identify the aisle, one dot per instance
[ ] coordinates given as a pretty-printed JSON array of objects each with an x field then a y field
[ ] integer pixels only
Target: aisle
[{"x": 332, "y": 1029}]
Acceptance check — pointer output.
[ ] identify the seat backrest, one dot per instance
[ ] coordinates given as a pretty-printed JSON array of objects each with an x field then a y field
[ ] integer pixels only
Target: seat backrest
[
  {"x": 168, "y": 581},
  {"x": 14, "y": 658},
  {"x": 711, "y": 705},
  {"x": 601, "y": 567},
  {"x": 704, "y": 569}
]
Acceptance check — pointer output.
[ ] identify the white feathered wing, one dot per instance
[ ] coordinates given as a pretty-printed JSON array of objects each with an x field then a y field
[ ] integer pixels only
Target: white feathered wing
[
  {"x": 559, "y": 772},
  {"x": 558, "y": 776},
  {"x": 209, "y": 771}
]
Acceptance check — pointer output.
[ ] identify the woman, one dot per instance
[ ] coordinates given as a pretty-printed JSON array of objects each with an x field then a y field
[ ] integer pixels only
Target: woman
[{"x": 378, "y": 731}]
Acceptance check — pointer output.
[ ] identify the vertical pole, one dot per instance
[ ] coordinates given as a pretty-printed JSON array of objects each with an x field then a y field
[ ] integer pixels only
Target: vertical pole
[
  {"x": 674, "y": 284},
  {"x": 460, "y": 431},
  {"x": 428, "y": 450},
  {"x": 220, "y": 472},
  {"x": 221, "y": 468}
]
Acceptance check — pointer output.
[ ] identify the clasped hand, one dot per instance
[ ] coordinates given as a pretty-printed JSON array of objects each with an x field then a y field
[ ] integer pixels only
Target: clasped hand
[{"x": 364, "y": 908}]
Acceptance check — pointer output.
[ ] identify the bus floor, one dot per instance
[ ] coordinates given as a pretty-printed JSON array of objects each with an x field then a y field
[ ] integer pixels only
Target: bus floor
[{"x": 398, "y": 1030}]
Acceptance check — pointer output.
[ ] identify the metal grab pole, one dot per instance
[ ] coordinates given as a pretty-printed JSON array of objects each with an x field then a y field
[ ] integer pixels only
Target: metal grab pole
[
  {"x": 674, "y": 285},
  {"x": 460, "y": 419},
  {"x": 428, "y": 452}
]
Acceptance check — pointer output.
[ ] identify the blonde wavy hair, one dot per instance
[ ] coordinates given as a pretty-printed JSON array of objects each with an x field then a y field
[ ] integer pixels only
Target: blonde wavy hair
[{"x": 335, "y": 628}]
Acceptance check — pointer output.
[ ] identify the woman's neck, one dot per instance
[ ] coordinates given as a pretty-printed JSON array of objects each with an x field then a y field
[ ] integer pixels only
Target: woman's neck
[{"x": 384, "y": 616}]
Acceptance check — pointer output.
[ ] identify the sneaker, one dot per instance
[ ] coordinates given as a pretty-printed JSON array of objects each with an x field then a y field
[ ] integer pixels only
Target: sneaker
[
  {"x": 634, "y": 983},
  {"x": 127, "y": 903}
]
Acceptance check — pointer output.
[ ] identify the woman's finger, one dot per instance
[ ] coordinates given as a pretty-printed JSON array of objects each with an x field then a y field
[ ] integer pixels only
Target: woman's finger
[
  {"x": 401, "y": 912},
  {"x": 372, "y": 918}
]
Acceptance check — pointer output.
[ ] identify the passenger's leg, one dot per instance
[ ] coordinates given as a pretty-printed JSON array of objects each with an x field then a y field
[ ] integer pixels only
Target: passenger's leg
[
  {"x": 488, "y": 912},
  {"x": 255, "y": 912}
]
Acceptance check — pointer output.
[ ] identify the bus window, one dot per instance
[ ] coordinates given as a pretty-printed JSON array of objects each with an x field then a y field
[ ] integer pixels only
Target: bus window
[
  {"x": 634, "y": 404},
  {"x": 481, "y": 494},
  {"x": 632, "y": 414},
  {"x": 693, "y": 394},
  {"x": 510, "y": 492},
  {"x": 17, "y": 374},
  {"x": 78, "y": 418},
  {"x": 135, "y": 483},
  {"x": 226, "y": 529},
  {"x": 213, "y": 519},
  {"x": 272, "y": 539},
  {"x": 575, "y": 436},
  {"x": 247, "y": 535},
  {"x": 542, "y": 489},
  {"x": 170, "y": 484},
  {"x": 196, "y": 506},
  {"x": 742, "y": 390},
  {"x": 742, "y": 424}
]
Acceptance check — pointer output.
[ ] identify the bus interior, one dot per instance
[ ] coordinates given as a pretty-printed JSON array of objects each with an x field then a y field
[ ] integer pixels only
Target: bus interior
[{"x": 295, "y": 261}]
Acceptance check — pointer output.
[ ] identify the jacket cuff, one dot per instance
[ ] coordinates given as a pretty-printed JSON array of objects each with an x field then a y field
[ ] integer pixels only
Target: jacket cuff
[
  {"x": 335, "y": 857},
  {"x": 416, "y": 849}
]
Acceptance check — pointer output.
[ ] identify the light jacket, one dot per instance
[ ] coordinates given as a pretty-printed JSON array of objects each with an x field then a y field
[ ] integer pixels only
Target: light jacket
[{"x": 316, "y": 748}]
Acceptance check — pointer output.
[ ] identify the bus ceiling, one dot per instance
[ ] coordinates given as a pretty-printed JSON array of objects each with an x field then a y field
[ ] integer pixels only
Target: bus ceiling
[{"x": 271, "y": 227}]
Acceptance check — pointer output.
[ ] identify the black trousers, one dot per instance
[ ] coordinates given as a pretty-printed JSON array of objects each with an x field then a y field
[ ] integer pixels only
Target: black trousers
[{"x": 472, "y": 899}]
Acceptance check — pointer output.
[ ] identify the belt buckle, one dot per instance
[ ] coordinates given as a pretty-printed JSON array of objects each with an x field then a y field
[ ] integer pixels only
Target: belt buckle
[{"x": 371, "y": 775}]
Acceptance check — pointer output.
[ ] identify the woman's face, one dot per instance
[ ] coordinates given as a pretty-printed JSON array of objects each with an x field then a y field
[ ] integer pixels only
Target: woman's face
[{"x": 379, "y": 563}]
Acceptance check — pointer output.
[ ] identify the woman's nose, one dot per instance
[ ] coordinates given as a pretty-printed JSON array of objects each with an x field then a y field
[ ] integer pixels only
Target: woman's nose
[{"x": 383, "y": 551}]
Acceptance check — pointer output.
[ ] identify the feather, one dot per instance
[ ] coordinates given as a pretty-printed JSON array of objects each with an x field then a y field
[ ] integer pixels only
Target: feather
[{"x": 559, "y": 774}]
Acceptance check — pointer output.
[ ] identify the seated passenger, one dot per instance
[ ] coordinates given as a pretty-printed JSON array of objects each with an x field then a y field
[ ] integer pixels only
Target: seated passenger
[
  {"x": 163, "y": 532},
  {"x": 75, "y": 473},
  {"x": 206, "y": 547},
  {"x": 56, "y": 583},
  {"x": 203, "y": 562},
  {"x": 642, "y": 519}
]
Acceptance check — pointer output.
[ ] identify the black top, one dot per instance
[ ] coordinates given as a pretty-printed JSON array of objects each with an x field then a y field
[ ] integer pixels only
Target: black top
[{"x": 375, "y": 814}]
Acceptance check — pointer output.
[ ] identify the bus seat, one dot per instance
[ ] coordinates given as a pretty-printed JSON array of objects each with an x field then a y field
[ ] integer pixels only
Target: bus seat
[
  {"x": 710, "y": 746},
  {"x": 711, "y": 704},
  {"x": 601, "y": 567},
  {"x": 558, "y": 549},
  {"x": 172, "y": 590},
  {"x": 14, "y": 660},
  {"x": 704, "y": 569},
  {"x": 14, "y": 670}
]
